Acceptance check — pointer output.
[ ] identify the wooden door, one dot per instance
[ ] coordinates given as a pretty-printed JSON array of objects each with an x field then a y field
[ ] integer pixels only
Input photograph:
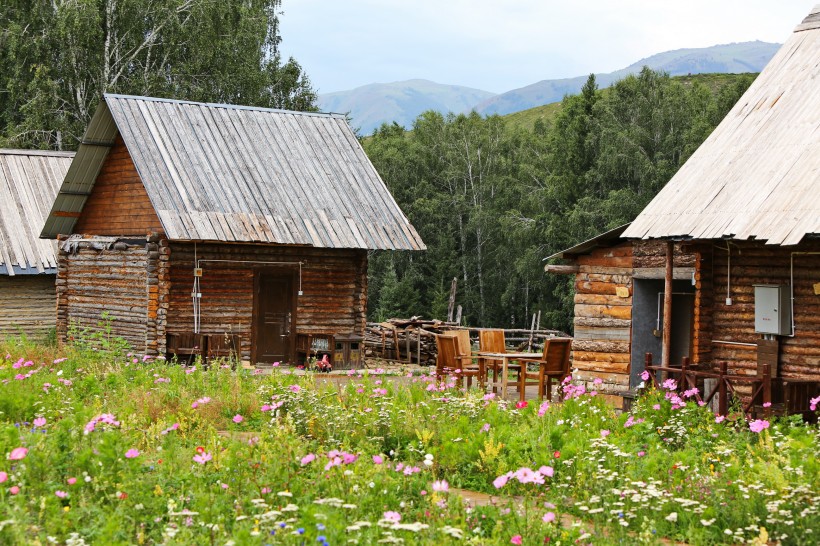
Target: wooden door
[{"x": 273, "y": 333}]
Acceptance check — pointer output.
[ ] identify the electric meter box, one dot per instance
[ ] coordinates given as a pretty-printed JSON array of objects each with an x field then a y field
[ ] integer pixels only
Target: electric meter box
[{"x": 772, "y": 309}]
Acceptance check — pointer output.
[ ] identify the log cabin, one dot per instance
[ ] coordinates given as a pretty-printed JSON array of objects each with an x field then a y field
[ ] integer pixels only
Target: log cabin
[
  {"x": 618, "y": 313},
  {"x": 29, "y": 180},
  {"x": 205, "y": 227},
  {"x": 743, "y": 214}
]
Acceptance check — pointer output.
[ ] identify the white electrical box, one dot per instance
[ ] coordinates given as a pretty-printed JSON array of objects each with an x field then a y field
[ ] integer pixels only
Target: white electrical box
[{"x": 772, "y": 309}]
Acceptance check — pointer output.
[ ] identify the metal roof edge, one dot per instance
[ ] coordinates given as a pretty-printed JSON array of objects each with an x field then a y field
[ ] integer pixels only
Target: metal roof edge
[{"x": 332, "y": 115}]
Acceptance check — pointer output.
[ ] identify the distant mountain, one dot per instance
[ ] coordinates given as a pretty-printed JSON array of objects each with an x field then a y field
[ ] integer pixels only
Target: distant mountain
[
  {"x": 729, "y": 58},
  {"x": 402, "y": 102}
]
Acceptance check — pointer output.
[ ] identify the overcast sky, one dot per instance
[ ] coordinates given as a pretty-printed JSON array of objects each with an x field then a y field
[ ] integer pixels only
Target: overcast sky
[{"x": 504, "y": 44}]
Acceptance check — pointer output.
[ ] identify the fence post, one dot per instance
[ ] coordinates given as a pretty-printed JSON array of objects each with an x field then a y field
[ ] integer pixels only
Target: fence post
[
  {"x": 684, "y": 378},
  {"x": 723, "y": 399}
]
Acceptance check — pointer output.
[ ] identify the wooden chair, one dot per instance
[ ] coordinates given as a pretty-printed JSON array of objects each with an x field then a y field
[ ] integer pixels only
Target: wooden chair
[
  {"x": 470, "y": 367},
  {"x": 493, "y": 341},
  {"x": 454, "y": 354},
  {"x": 553, "y": 365}
]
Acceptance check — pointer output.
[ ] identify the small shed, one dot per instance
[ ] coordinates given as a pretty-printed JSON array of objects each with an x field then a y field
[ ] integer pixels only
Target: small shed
[
  {"x": 618, "y": 311},
  {"x": 212, "y": 227},
  {"x": 29, "y": 180}
]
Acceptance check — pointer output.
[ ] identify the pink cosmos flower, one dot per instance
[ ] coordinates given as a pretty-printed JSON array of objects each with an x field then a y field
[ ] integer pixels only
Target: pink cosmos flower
[
  {"x": 758, "y": 425},
  {"x": 61, "y": 494},
  {"x": 3, "y": 477},
  {"x": 132, "y": 453},
  {"x": 237, "y": 418},
  {"x": 516, "y": 539},
  {"x": 307, "y": 459},
  {"x": 719, "y": 418},
  {"x": 377, "y": 459},
  {"x": 767, "y": 404},
  {"x": 295, "y": 388},
  {"x": 656, "y": 407},
  {"x": 604, "y": 433},
  {"x": 393, "y": 517},
  {"x": 486, "y": 427},
  {"x": 641, "y": 453},
  {"x": 39, "y": 422},
  {"x": 71, "y": 481},
  {"x": 546, "y": 471},
  {"x": 441, "y": 486},
  {"x": 502, "y": 480},
  {"x": 521, "y": 404},
  {"x": 266, "y": 407},
  {"x": 203, "y": 458},
  {"x": 542, "y": 409},
  {"x": 14, "y": 490},
  {"x": 18, "y": 454},
  {"x": 549, "y": 517},
  {"x": 224, "y": 485},
  {"x": 58, "y": 360},
  {"x": 813, "y": 403},
  {"x": 644, "y": 375},
  {"x": 266, "y": 490}
]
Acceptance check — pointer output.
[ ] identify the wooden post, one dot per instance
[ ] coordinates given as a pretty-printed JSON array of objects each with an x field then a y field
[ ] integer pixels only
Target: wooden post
[
  {"x": 666, "y": 346},
  {"x": 767, "y": 389},
  {"x": 532, "y": 333},
  {"x": 684, "y": 378},
  {"x": 723, "y": 398},
  {"x": 452, "y": 303}
]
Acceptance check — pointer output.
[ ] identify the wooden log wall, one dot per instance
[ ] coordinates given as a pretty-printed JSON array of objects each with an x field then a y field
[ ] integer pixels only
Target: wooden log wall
[
  {"x": 27, "y": 305},
  {"x": 755, "y": 263},
  {"x": 334, "y": 285},
  {"x": 603, "y": 308},
  {"x": 118, "y": 204},
  {"x": 115, "y": 282},
  {"x": 603, "y": 318}
]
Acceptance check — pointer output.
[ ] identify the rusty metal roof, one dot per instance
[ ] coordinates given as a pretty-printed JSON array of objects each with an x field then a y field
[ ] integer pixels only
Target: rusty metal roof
[
  {"x": 29, "y": 180},
  {"x": 217, "y": 172},
  {"x": 757, "y": 176}
]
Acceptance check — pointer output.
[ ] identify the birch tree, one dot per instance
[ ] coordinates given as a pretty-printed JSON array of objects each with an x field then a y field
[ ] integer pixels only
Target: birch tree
[{"x": 57, "y": 58}]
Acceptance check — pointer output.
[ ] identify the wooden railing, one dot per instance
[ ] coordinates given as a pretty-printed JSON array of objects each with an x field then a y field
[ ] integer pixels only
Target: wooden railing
[{"x": 688, "y": 378}]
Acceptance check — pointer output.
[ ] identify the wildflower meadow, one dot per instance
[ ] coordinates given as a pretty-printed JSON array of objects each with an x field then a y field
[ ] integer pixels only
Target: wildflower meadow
[{"x": 101, "y": 448}]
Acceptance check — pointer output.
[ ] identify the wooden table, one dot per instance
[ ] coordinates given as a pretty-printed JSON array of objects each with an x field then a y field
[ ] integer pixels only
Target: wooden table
[{"x": 505, "y": 359}]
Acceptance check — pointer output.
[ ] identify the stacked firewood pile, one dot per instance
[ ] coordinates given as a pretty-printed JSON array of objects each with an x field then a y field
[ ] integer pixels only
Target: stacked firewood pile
[{"x": 413, "y": 340}]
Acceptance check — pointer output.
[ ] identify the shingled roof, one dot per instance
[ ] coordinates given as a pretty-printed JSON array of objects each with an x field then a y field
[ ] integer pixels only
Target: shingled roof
[
  {"x": 757, "y": 176},
  {"x": 29, "y": 180},
  {"x": 217, "y": 172}
]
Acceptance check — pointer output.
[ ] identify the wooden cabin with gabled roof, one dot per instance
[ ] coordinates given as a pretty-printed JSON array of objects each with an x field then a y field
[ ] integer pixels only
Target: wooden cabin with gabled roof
[
  {"x": 190, "y": 224},
  {"x": 745, "y": 211},
  {"x": 29, "y": 180}
]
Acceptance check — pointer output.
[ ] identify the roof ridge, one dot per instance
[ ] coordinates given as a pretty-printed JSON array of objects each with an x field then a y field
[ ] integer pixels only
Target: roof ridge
[
  {"x": 334, "y": 115},
  {"x": 48, "y": 153}
]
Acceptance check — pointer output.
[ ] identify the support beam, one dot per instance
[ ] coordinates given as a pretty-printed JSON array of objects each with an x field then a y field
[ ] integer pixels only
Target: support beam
[
  {"x": 667, "y": 305},
  {"x": 562, "y": 269}
]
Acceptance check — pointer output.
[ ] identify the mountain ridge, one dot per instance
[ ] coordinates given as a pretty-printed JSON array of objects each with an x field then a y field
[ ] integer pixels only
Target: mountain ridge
[{"x": 373, "y": 104}]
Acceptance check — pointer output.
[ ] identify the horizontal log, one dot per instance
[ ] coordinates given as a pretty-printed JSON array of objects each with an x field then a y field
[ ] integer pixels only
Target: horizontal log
[
  {"x": 601, "y": 333},
  {"x": 582, "y": 356},
  {"x": 601, "y": 322},
  {"x": 602, "y": 299},
  {"x": 601, "y": 346},
  {"x": 561, "y": 269},
  {"x": 622, "y": 312}
]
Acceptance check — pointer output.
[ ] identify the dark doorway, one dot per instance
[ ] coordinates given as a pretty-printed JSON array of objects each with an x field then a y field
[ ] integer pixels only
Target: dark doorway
[
  {"x": 647, "y": 323},
  {"x": 273, "y": 317}
]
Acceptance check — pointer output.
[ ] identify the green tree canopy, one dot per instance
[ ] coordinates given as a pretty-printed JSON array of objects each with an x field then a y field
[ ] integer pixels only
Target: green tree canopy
[{"x": 57, "y": 58}]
